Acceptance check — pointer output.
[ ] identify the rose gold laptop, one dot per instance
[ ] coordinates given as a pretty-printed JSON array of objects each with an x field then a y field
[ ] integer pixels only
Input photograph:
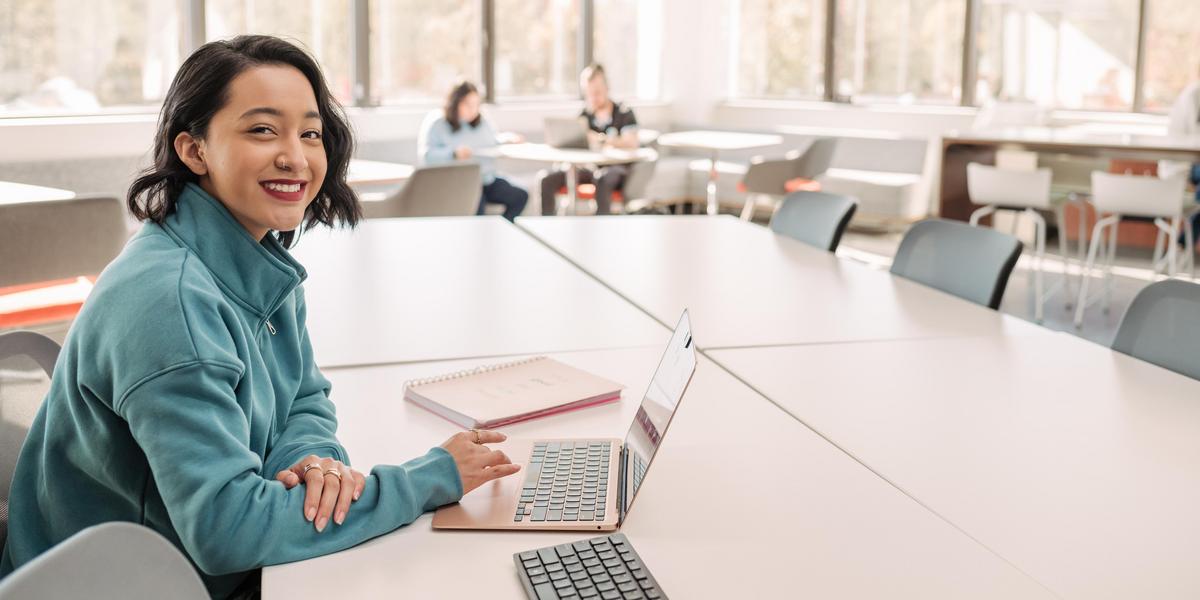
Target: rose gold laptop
[{"x": 582, "y": 484}]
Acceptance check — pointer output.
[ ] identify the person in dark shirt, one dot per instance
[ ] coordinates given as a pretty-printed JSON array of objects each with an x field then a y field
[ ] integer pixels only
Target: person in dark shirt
[{"x": 610, "y": 124}]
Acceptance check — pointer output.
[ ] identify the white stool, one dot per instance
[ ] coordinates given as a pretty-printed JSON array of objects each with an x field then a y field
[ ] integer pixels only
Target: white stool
[
  {"x": 1026, "y": 192},
  {"x": 1142, "y": 196}
]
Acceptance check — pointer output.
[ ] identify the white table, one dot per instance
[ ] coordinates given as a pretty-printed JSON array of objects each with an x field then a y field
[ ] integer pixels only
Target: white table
[
  {"x": 1079, "y": 465},
  {"x": 572, "y": 159},
  {"x": 756, "y": 496},
  {"x": 373, "y": 172},
  {"x": 747, "y": 286},
  {"x": 715, "y": 142},
  {"x": 427, "y": 289},
  {"x": 17, "y": 193}
]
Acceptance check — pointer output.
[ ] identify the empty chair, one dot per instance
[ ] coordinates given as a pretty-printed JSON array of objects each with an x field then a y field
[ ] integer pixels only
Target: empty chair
[
  {"x": 970, "y": 262},
  {"x": 1025, "y": 192},
  {"x": 18, "y": 405},
  {"x": 449, "y": 190},
  {"x": 1162, "y": 326},
  {"x": 1116, "y": 195},
  {"x": 58, "y": 239},
  {"x": 107, "y": 562},
  {"x": 815, "y": 218},
  {"x": 796, "y": 171}
]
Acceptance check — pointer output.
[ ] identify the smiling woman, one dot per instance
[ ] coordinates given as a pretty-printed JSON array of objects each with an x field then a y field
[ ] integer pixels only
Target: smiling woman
[{"x": 186, "y": 398}]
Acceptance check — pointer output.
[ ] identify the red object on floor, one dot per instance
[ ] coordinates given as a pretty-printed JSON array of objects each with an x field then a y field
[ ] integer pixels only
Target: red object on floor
[
  {"x": 587, "y": 191},
  {"x": 61, "y": 301},
  {"x": 798, "y": 184}
]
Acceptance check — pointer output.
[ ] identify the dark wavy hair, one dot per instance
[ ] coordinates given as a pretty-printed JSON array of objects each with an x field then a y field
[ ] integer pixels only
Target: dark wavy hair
[
  {"x": 201, "y": 88},
  {"x": 453, "y": 99}
]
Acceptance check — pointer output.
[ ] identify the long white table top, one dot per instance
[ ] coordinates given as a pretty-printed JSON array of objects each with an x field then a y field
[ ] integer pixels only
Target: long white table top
[
  {"x": 1079, "y": 465},
  {"x": 17, "y": 193},
  {"x": 752, "y": 506},
  {"x": 747, "y": 286},
  {"x": 398, "y": 290}
]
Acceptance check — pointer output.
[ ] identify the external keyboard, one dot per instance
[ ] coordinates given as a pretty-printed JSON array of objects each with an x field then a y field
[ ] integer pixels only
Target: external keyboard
[
  {"x": 603, "y": 567},
  {"x": 565, "y": 481}
]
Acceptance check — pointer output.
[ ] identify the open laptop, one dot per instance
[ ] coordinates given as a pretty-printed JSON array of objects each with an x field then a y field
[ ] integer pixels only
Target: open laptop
[
  {"x": 569, "y": 132},
  {"x": 581, "y": 484}
]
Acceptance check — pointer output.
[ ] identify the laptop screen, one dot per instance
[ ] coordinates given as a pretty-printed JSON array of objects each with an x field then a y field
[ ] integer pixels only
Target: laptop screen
[{"x": 658, "y": 406}]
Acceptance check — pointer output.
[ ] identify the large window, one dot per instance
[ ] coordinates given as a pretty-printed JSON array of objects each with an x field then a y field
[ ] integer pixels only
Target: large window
[
  {"x": 1065, "y": 53},
  {"x": 321, "y": 26},
  {"x": 1172, "y": 51},
  {"x": 900, "y": 50},
  {"x": 420, "y": 48},
  {"x": 626, "y": 39},
  {"x": 62, "y": 56},
  {"x": 781, "y": 48},
  {"x": 537, "y": 48}
]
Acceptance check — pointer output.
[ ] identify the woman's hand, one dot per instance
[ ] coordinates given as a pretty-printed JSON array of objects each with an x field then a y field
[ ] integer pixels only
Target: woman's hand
[
  {"x": 510, "y": 137},
  {"x": 332, "y": 486},
  {"x": 462, "y": 153},
  {"x": 477, "y": 464}
]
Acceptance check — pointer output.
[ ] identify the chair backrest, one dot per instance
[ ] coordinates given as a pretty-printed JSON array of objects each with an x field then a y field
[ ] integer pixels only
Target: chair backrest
[
  {"x": 640, "y": 174},
  {"x": 768, "y": 176},
  {"x": 815, "y": 159},
  {"x": 1006, "y": 187},
  {"x": 970, "y": 262},
  {"x": 1162, "y": 326},
  {"x": 449, "y": 190},
  {"x": 58, "y": 239},
  {"x": 1138, "y": 195},
  {"x": 107, "y": 561},
  {"x": 20, "y": 399},
  {"x": 815, "y": 218}
]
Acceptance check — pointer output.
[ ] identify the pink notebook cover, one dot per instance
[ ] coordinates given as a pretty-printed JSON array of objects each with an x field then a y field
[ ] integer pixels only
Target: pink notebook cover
[{"x": 498, "y": 395}]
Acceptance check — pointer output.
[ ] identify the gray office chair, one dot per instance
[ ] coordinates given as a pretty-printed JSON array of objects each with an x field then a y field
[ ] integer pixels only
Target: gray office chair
[
  {"x": 107, "y": 562},
  {"x": 769, "y": 177},
  {"x": 58, "y": 239},
  {"x": 633, "y": 192},
  {"x": 815, "y": 218},
  {"x": 19, "y": 402},
  {"x": 449, "y": 190},
  {"x": 969, "y": 262},
  {"x": 1162, "y": 326}
]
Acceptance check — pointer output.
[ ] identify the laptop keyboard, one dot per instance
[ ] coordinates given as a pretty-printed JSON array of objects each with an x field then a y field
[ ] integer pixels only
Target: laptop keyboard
[
  {"x": 604, "y": 567},
  {"x": 565, "y": 481}
]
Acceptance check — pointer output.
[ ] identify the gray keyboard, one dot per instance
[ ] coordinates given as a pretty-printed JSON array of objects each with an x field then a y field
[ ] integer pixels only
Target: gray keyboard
[
  {"x": 604, "y": 567},
  {"x": 565, "y": 481}
]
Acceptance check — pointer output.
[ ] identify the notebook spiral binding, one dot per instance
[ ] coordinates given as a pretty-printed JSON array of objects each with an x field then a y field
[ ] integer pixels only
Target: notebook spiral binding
[{"x": 469, "y": 372}]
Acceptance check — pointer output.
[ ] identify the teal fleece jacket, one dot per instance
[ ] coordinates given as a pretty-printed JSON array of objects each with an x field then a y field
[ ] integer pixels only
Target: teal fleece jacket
[{"x": 186, "y": 383}]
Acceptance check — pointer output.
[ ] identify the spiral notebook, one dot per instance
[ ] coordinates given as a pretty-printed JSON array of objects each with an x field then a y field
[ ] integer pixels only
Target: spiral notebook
[{"x": 496, "y": 395}]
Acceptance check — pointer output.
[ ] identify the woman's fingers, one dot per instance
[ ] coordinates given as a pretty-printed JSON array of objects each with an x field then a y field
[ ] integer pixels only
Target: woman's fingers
[
  {"x": 332, "y": 486},
  {"x": 496, "y": 457},
  {"x": 288, "y": 478},
  {"x": 488, "y": 437},
  {"x": 360, "y": 482},
  {"x": 314, "y": 483},
  {"x": 499, "y": 471},
  {"x": 345, "y": 495}
]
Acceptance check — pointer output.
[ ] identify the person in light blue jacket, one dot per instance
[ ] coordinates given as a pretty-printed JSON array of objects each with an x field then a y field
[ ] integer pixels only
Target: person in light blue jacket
[
  {"x": 459, "y": 133},
  {"x": 185, "y": 397}
]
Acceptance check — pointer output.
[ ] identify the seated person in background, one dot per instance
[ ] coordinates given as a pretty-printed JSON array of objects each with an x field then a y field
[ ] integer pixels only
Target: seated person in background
[
  {"x": 458, "y": 134},
  {"x": 611, "y": 124},
  {"x": 1184, "y": 120}
]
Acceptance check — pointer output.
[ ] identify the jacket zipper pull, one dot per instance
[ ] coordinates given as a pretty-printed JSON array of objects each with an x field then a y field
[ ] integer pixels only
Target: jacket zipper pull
[{"x": 270, "y": 327}]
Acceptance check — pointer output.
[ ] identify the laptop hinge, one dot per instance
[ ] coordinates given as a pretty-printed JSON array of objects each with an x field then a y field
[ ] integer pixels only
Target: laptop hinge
[{"x": 621, "y": 485}]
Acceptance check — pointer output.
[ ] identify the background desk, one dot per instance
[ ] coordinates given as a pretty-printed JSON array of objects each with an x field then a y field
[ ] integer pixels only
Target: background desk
[
  {"x": 747, "y": 286},
  {"x": 398, "y": 290},
  {"x": 1079, "y": 465},
  {"x": 752, "y": 506}
]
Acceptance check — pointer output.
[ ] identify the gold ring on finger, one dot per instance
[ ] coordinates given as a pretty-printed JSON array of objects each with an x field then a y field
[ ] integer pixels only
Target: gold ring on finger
[
  {"x": 334, "y": 472},
  {"x": 476, "y": 434},
  {"x": 310, "y": 466}
]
